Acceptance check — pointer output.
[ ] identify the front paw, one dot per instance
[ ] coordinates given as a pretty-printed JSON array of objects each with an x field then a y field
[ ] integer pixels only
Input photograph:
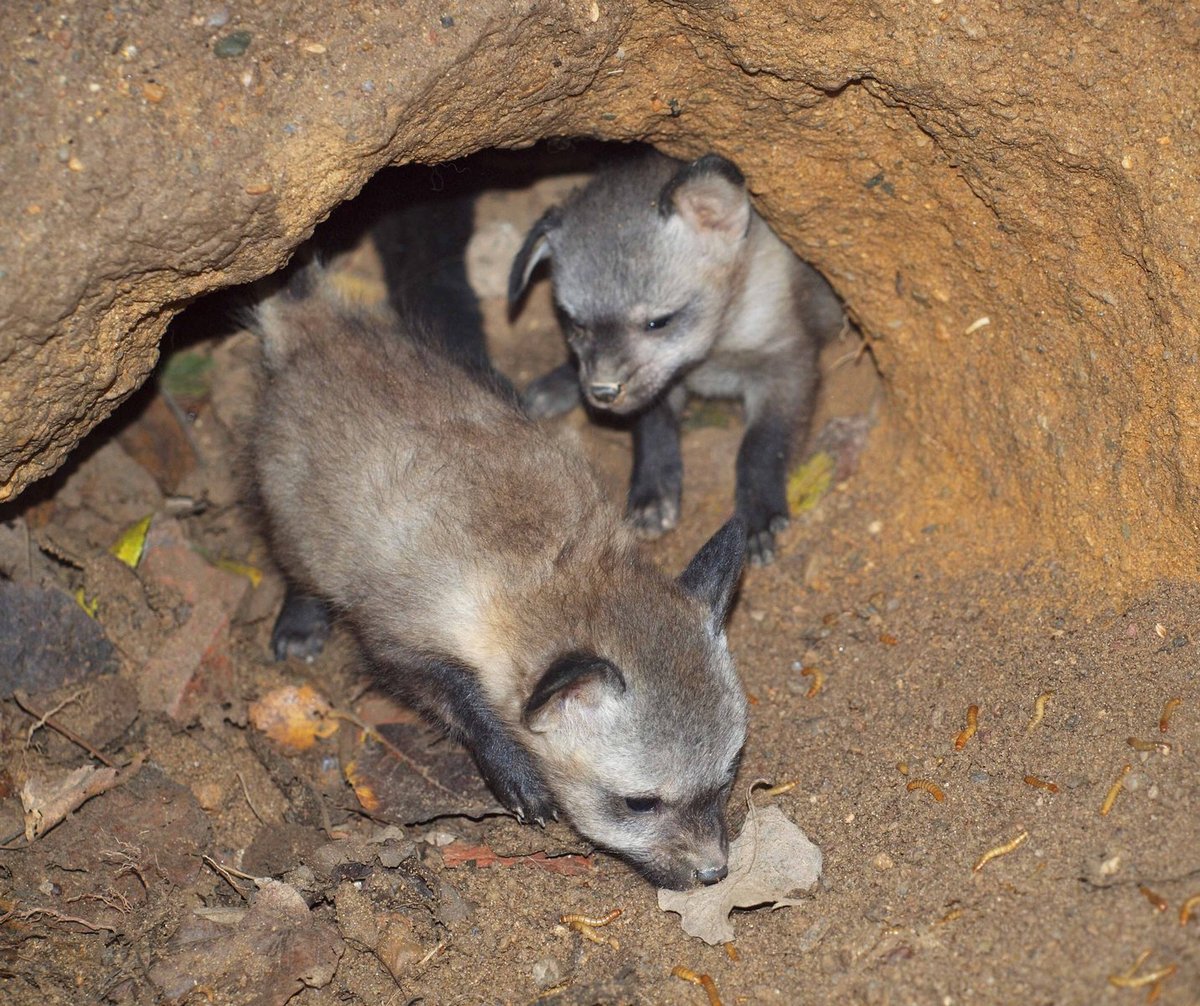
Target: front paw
[
  {"x": 551, "y": 395},
  {"x": 653, "y": 513},
  {"x": 527, "y": 798},
  {"x": 512, "y": 778},
  {"x": 760, "y": 540}
]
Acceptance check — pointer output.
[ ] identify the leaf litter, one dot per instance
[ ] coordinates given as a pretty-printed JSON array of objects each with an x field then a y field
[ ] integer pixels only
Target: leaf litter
[{"x": 769, "y": 861}]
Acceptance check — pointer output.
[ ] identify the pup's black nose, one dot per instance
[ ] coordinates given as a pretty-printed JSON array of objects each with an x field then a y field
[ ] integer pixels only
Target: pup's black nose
[
  {"x": 606, "y": 394},
  {"x": 711, "y": 874}
]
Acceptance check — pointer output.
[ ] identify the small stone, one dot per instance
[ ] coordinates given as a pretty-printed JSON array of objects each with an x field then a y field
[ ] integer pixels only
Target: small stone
[
  {"x": 447, "y": 21},
  {"x": 1111, "y": 866},
  {"x": 74, "y": 163},
  {"x": 397, "y": 950},
  {"x": 315, "y": 48},
  {"x": 232, "y": 45},
  {"x": 875, "y": 527},
  {"x": 980, "y": 776},
  {"x": 883, "y": 862},
  {"x": 218, "y": 18},
  {"x": 258, "y": 188},
  {"x": 547, "y": 972},
  {"x": 210, "y": 795},
  {"x": 153, "y": 93}
]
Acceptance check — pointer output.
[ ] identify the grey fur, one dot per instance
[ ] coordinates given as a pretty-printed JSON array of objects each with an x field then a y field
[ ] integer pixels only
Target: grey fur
[
  {"x": 651, "y": 238},
  {"x": 470, "y": 550}
]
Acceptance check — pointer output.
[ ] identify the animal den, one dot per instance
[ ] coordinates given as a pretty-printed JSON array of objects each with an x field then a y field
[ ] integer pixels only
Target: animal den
[{"x": 969, "y": 672}]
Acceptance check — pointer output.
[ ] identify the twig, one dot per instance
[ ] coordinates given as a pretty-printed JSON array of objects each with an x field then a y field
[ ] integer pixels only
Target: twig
[
  {"x": 95, "y": 927},
  {"x": 250, "y": 803},
  {"x": 22, "y": 700},
  {"x": 227, "y": 873},
  {"x": 42, "y": 720}
]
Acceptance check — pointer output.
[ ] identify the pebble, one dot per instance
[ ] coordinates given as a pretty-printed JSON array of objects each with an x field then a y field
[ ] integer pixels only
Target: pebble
[
  {"x": 883, "y": 862},
  {"x": 232, "y": 45},
  {"x": 218, "y": 18},
  {"x": 547, "y": 972}
]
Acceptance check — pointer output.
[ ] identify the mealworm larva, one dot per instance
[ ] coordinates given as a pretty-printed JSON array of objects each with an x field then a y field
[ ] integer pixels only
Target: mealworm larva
[
  {"x": 1169, "y": 707},
  {"x": 705, "y": 981},
  {"x": 1039, "y": 710},
  {"x": 1131, "y": 980},
  {"x": 732, "y": 953},
  {"x": 1140, "y": 745},
  {"x": 1185, "y": 910},
  {"x": 968, "y": 732},
  {"x": 783, "y": 787},
  {"x": 587, "y": 920},
  {"x": 932, "y": 788},
  {"x": 1033, "y": 780},
  {"x": 589, "y": 933},
  {"x": 1157, "y": 900},
  {"x": 1113, "y": 791},
  {"x": 818, "y": 681},
  {"x": 1000, "y": 850}
]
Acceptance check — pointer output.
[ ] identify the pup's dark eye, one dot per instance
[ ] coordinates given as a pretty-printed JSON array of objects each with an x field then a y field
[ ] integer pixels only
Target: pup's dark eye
[
  {"x": 643, "y": 804},
  {"x": 661, "y": 322}
]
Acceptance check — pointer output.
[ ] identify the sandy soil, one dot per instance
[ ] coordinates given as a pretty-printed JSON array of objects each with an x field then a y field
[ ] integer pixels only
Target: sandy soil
[{"x": 905, "y": 804}]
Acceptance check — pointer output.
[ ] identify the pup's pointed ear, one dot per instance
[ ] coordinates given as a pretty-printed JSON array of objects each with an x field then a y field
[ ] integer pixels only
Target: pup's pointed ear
[
  {"x": 712, "y": 575},
  {"x": 535, "y": 248},
  {"x": 574, "y": 687},
  {"x": 710, "y": 195}
]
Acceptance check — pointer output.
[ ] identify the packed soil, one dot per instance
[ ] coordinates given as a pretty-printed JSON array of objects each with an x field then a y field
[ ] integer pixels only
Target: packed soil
[{"x": 1046, "y": 853}]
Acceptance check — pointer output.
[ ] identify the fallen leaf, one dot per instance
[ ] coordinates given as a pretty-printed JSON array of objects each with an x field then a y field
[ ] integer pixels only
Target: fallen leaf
[
  {"x": 132, "y": 543},
  {"x": 809, "y": 482},
  {"x": 47, "y": 803},
  {"x": 458, "y": 854},
  {"x": 293, "y": 717},
  {"x": 769, "y": 860}
]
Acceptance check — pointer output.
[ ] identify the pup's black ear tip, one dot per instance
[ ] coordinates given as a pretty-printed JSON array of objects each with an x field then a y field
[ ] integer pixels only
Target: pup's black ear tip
[{"x": 715, "y": 164}]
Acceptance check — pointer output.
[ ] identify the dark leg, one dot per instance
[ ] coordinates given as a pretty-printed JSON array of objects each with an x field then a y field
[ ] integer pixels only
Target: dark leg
[
  {"x": 553, "y": 394},
  {"x": 762, "y": 484},
  {"x": 656, "y": 487},
  {"x": 301, "y": 628},
  {"x": 451, "y": 695}
]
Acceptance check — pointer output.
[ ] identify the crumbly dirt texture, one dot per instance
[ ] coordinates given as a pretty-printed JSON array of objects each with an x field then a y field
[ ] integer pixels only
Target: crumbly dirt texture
[
  {"x": 1004, "y": 196},
  {"x": 862, "y": 658}
]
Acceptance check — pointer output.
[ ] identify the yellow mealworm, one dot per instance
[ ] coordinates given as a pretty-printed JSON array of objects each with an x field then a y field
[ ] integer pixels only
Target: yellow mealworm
[
  {"x": 1113, "y": 791},
  {"x": 932, "y": 788},
  {"x": 968, "y": 732},
  {"x": 1000, "y": 850}
]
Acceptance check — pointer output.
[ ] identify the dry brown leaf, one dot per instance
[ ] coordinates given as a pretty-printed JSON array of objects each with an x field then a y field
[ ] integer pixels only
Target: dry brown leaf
[
  {"x": 293, "y": 717},
  {"x": 769, "y": 860},
  {"x": 47, "y": 803}
]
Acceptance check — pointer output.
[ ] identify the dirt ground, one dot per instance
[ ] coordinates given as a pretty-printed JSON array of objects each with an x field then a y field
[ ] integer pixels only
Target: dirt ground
[{"x": 394, "y": 878}]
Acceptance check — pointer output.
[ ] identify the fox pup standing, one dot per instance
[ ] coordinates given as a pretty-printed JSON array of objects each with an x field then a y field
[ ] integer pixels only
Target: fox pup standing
[
  {"x": 493, "y": 587},
  {"x": 668, "y": 282}
]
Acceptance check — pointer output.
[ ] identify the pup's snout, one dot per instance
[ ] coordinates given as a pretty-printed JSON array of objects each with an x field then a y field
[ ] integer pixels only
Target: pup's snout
[
  {"x": 606, "y": 394},
  {"x": 711, "y": 874}
]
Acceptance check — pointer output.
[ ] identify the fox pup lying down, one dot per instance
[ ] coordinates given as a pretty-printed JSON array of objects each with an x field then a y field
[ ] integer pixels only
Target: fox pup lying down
[
  {"x": 667, "y": 282},
  {"x": 493, "y": 587}
]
